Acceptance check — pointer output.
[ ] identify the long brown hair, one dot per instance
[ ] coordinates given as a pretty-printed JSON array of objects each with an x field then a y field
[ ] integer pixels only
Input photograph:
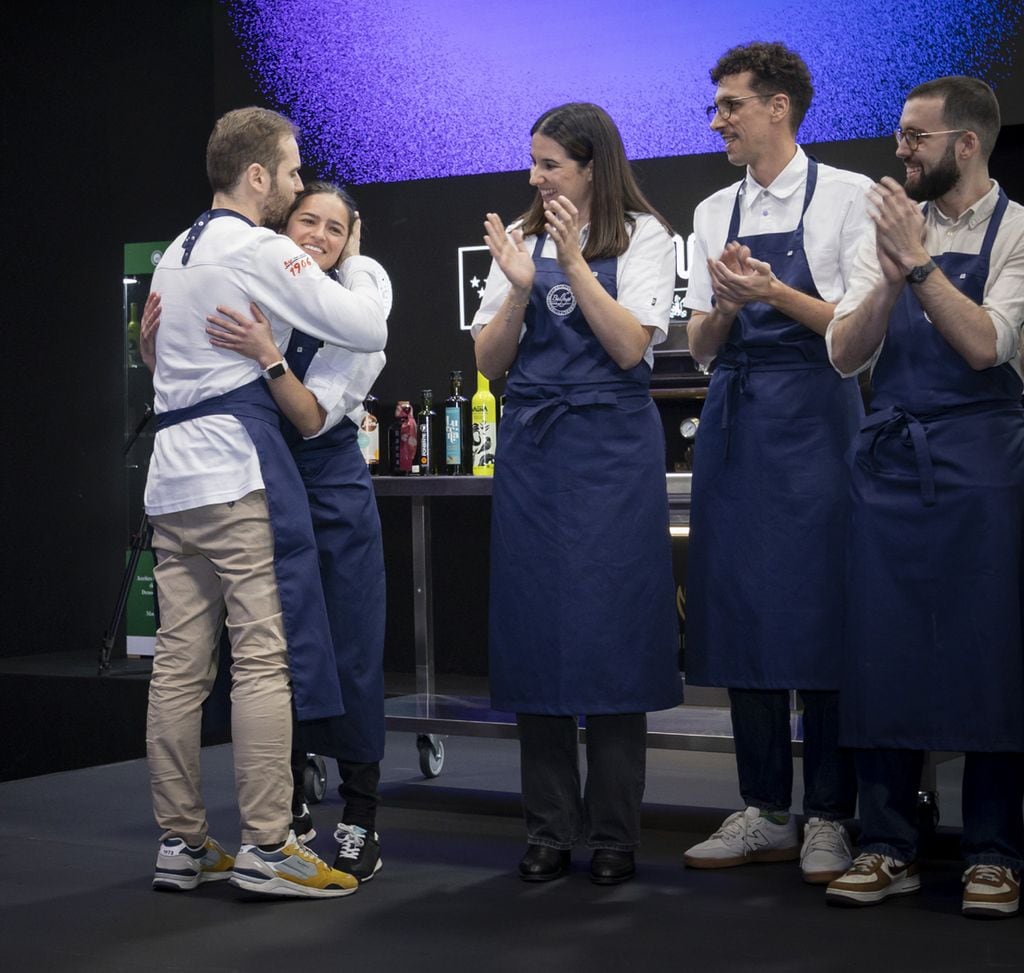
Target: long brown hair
[{"x": 588, "y": 134}]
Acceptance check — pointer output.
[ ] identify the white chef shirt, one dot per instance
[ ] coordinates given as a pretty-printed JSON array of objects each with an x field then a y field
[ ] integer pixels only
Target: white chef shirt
[
  {"x": 833, "y": 225},
  {"x": 340, "y": 378},
  {"x": 211, "y": 459},
  {"x": 644, "y": 278},
  {"x": 1004, "y": 289}
]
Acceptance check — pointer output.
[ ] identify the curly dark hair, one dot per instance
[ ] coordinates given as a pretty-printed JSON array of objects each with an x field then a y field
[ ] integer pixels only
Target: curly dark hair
[{"x": 774, "y": 67}]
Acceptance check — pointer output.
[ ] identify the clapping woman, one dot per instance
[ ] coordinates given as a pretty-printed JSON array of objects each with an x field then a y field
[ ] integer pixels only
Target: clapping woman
[{"x": 582, "y": 618}]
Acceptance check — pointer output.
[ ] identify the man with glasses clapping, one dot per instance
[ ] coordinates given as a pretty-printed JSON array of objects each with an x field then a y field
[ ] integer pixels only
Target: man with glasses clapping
[
  {"x": 934, "y": 656},
  {"x": 773, "y": 255}
]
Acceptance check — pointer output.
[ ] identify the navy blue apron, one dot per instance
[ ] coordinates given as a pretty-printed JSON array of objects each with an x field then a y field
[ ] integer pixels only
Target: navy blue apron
[
  {"x": 934, "y": 658},
  {"x": 765, "y": 568},
  {"x": 346, "y": 526},
  {"x": 314, "y": 681},
  {"x": 315, "y": 690},
  {"x": 582, "y": 609}
]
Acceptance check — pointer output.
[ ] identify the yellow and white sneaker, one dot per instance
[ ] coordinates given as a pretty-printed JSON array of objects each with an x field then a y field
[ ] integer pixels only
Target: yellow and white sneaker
[
  {"x": 291, "y": 870},
  {"x": 180, "y": 868}
]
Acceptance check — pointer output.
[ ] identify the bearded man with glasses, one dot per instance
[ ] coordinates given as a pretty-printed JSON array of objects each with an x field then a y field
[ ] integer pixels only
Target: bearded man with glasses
[
  {"x": 772, "y": 256},
  {"x": 934, "y": 656}
]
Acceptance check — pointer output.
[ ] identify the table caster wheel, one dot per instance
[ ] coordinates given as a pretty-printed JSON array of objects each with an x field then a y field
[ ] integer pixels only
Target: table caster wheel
[
  {"x": 431, "y": 748},
  {"x": 314, "y": 778}
]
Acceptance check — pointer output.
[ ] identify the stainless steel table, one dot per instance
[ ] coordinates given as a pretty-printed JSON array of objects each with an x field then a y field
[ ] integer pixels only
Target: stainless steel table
[{"x": 433, "y": 716}]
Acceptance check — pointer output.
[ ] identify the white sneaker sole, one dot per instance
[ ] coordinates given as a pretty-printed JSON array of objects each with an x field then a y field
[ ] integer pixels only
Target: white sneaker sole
[
  {"x": 990, "y": 910},
  {"x": 282, "y": 888},
  {"x": 168, "y": 882},
  {"x": 376, "y": 868},
  {"x": 906, "y": 885},
  {"x": 768, "y": 855}
]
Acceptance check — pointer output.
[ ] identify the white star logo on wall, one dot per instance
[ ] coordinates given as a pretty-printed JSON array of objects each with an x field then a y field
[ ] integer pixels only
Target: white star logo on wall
[{"x": 474, "y": 263}]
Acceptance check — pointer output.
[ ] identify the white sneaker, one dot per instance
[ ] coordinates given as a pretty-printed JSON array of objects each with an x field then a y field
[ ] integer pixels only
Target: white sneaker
[
  {"x": 991, "y": 892},
  {"x": 826, "y": 852},
  {"x": 746, "y": 836},
  {"x": 180, "y": 868},
  {"x": 871, "y": 879}
]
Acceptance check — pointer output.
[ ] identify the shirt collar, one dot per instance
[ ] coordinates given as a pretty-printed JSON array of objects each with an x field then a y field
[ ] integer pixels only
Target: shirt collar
[
  {"x": 974, "y": 215},
  {"x": 784, "y": 185}
]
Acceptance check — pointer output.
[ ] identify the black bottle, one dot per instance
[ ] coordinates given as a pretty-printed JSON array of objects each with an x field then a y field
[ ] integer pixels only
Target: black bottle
[{"x": 426, "y": 428}]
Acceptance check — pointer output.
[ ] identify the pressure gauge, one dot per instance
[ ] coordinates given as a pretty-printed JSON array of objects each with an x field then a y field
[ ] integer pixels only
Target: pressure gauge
[{"x": 688, "y": 428}]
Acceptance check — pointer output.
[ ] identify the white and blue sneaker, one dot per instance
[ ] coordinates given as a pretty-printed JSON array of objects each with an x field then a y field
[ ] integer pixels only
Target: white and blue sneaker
[
  {"x": 293, "y": 870},
  {"x": 180, "y": 868}
]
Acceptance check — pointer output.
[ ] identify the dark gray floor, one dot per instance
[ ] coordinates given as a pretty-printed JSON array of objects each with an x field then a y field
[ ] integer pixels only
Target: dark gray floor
[{"x": 78, "y": 848}]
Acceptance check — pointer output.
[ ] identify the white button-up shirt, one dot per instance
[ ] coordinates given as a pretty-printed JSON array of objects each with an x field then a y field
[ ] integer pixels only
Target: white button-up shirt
[{"x": 833, "y": 225}]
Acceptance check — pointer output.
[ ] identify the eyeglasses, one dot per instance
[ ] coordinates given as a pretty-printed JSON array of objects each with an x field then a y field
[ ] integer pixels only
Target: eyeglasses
[
  {"x": 727, "y": 106},
  {"x": 913, "y": 139}
]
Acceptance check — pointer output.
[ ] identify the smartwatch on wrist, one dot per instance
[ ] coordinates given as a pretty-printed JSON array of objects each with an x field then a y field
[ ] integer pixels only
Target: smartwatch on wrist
[
  {"x": 917, "y": 275},
  {"x": 275, "y": 371}
]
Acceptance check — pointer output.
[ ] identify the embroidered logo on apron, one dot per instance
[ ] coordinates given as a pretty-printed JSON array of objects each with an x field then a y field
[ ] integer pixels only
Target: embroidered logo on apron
[{"x": 561, "y": 300}]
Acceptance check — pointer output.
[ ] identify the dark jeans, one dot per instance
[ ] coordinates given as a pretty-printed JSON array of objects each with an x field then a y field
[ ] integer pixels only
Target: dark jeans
[
  {"x": 607, "y": 814},
  {"x": 992, "y": 792},
  {"x": 764, "y": 755}
]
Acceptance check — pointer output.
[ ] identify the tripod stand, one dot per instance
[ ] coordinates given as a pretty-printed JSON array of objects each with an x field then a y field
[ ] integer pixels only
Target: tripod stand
[{"x": 140, "y": 541}]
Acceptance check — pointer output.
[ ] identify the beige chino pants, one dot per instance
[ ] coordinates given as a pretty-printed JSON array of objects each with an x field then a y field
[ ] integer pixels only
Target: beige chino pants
[{"x": 212, "y": 561}]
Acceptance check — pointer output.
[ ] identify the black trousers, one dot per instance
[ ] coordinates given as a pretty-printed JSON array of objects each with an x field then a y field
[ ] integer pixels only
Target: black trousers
[
  {"x": 606, "y": 814},
  {"x": 359, "y": 789}
]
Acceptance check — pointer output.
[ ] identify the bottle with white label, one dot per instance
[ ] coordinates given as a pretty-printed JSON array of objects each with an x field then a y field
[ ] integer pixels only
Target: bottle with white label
[{"x": 369, "y": 434}]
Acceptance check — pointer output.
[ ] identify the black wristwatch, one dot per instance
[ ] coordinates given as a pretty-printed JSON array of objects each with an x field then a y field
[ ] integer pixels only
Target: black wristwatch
[
  {"x": 276, "y": 370},
  {"x": 918, "y": 274}
]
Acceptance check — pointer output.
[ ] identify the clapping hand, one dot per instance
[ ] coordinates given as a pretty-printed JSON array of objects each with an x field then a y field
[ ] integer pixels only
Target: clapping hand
[
  {"x": 563, "y": 227},
  {"x": 509, "y": 252}
]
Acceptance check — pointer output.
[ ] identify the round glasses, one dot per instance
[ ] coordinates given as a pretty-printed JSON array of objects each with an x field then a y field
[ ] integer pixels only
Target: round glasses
[
  {"x": 727, "y": 106},
  {"x": 913, "y": 139}
]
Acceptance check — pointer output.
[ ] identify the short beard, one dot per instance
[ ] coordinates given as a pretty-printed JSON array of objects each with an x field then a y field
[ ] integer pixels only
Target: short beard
[
  {"x": 275, "y": 210},
  {"x": 938, "y": 182}
]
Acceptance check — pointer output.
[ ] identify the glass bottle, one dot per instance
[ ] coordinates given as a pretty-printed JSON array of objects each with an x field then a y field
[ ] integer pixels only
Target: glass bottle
[
  {"x": 458, "y": 456},
  {"x": 485, "y": 428},
  {"x": 369, "y": 434},
  {"x": 402, "y": 440},
  {"x": 426, "y": 429}
]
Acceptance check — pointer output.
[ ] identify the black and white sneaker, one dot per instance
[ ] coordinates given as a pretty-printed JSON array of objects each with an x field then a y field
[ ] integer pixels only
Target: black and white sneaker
[
  {"x": 358, "y": 851},
  {"x": 302, "y": 822}
]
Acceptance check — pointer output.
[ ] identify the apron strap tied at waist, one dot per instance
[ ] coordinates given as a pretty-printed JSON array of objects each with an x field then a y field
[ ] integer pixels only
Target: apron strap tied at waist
[
  {"x": 896, "y": 421},
  {"x": 736, "y": 366},
  {"x": 542, "y": 415}
]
